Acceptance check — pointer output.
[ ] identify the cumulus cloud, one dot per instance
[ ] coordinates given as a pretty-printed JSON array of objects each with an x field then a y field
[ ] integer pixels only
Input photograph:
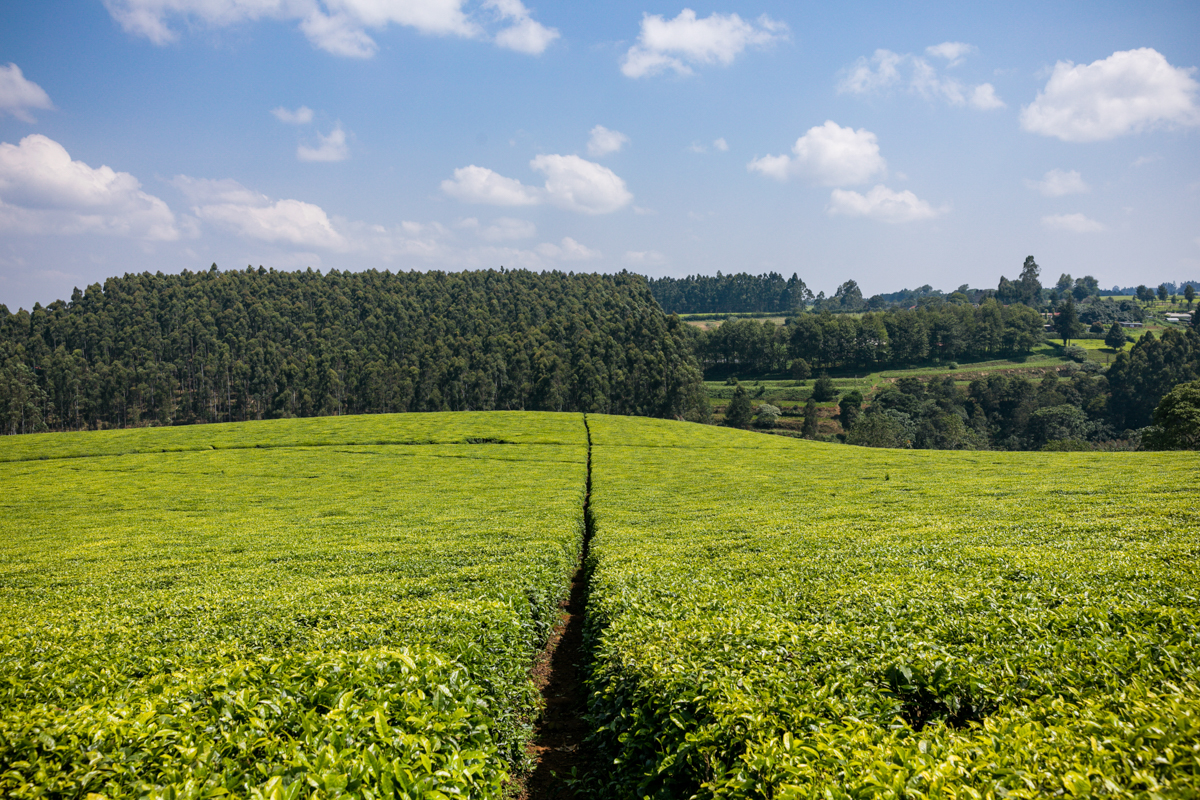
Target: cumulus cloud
[
  {"x": 19, "y": 94},
  {"x": 301, "y": 116},
  {"x": 332, "y": 147},
  {"x": 341, "y": 27},
  {"x": 1072, "y": 223},
  {"x": 1057, "y": 183},
  {"x": 502, "y": 229},
  {"x": 984, "y": 97},
  {"x": 474, "y": 184},
  {"x": 827, "y": 154},
  {"x": 883, "y": 204},
  {"x": 42, "y": 191},
  {"x": 685, "y": 41},
  {"x": 1128, "y": 92},
  {"x": 603, "y": 141},
  {"x": 953, "y": 52},
  {"x": 885, "y": 70},
  {"x": 721, "y": 144},
  {"x": 230, "y": 206},
  {"x": 567, "y": 250},
  {"x": 572, "y": 183},
  {"x": 644, "y": 258},
  {"x": 524, "y": 34},
  {"x": 284, "y": 221},
  {"x": 580, "y": 185}
]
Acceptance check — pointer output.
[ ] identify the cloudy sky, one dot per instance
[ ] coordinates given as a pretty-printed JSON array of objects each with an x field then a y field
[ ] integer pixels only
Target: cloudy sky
[{"x": 835, "y": 140}]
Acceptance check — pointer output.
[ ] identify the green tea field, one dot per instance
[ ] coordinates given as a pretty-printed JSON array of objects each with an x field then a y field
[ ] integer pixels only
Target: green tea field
[
  {"x": 312, "y": 607},
  {"x": 785, "y": 619},
  {"x": 351, "y": 606}
]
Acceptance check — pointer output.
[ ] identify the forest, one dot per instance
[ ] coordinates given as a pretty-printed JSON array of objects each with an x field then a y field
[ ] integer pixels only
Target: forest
[{"x": 216, "y": 346}]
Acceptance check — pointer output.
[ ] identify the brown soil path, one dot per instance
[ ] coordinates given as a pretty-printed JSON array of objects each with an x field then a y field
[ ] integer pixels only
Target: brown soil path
[{"x": 558, "y": 744}]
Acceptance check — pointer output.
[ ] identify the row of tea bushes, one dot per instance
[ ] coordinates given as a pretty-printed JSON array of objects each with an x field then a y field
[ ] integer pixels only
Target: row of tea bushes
[
  {"x": 783, "y": 619},
  {"x": 321, "y": 616}
]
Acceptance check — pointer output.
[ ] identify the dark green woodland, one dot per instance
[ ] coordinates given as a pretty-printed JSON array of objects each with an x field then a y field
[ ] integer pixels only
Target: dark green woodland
[{"x": 219, "y": 346}]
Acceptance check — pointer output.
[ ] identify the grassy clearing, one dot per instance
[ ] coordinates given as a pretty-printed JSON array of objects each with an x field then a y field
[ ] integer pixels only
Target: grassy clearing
[
  {"x": 775, "y": 618},
  {"x": 297, "y": 612}
]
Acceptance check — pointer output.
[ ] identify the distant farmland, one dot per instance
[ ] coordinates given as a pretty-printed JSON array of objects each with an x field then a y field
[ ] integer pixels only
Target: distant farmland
[{"x": 350, "y": 606}]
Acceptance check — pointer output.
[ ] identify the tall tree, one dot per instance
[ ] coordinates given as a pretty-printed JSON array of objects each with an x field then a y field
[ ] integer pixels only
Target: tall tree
[
  {"x": 1115, "y": 338},
  {"x": 739, "y": 412},
  {"x": 1029, "y": 286},
  {"x": 809, "y": 430},
  {"x": 1066, "y": 320},
  {"x": 1189, "y": 294}
]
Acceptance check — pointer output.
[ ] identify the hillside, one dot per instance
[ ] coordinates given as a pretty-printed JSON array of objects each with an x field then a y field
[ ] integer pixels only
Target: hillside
[
  {"x": 344, "y": 606},
  {"x": 227, "y": 346}
]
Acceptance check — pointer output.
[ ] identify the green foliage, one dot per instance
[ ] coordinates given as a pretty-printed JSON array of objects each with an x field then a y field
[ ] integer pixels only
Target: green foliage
[
  {"x": 705, "y": 294},
  {"x": 976, "y": 625},
  {"x": 810, "y": 419},
  {"x": 738, "y": 412},
  {"x": 766, "y": 415},
  {"x": 1066, "y": 320},
  {"x": 800, "y": 369},
  {"x": 1115, "y": 338},
  {"x": 1177, "y": 420},
  {"x": 1154, "y": 365},
  {"x": 324, "y": 607},
  {"x": 823, "y": 389},
  {"x": 241, "y": 345}
]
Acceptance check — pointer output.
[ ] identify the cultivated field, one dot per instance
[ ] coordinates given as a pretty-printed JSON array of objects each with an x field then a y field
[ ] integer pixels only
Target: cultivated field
[
  {"x": 281, "y": 608},
  {"x": 775, "y": 618},
  {"x": 350, "y": 607}
]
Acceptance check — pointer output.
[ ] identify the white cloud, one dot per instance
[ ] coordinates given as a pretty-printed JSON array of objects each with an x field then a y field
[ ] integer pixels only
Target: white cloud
[
  {"x": 332, "y": 148},
  {"x": 524, "y": 35},
  {"x": 984, "y": 97},
  {"x": 301, "y": 116},
  {"x": 886, "y": 69},
  {"x": 644, "y": 258},
  {"x": 684, "y": 41},
  {"x": 284, "y": 221},
  {"x": 883, "y": 204},
  {"x": 474, "y": 184},
  {"x": 862, "y": 79},
  {"x": 203, "y": 191},
  {"x": 603, "y": 141},
  {"x": 1073, "y": 223},
  {"x": 1057, "y": 183},
  {"x": 567, "y": 250},
  {"x": 953, "y": 52},
  {"x": 1142, "y": 161},
  {"x": 230, "y": 206},
  {"x": 721, "y": 144},
  {"x": 42, "y": 191},
  {"x": 1128, "y": 92},
  {"x": 829, "y": 155},
  {"x": 18, "y": 94},
  {"x": 580, "y": 185},
  {"x": 340, "y": 26},
  {"x": 507, "y": 229},
  {"x": 571, "y": 182}
]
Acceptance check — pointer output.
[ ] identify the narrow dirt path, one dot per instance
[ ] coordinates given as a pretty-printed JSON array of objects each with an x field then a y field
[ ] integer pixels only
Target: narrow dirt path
[{"x": 558, "y": 742}]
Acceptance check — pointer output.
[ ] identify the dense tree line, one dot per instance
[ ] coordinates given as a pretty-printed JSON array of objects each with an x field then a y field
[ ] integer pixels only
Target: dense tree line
[
  {"x": 706, "y": 294},
  {"x": 942, "y": 331},
  {"x": 1014, "y": 412},
  {"x": 218, "y": 346}
]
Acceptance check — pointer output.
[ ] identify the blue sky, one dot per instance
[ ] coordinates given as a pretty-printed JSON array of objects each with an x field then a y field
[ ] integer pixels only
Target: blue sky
[{"x": 850, "y": 140}]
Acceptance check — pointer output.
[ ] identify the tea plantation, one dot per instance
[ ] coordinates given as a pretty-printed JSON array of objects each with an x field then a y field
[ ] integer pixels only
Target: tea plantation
[
  {"x": 784, "y": 619},
  {"x": 350, "y": 607},
  {"x": 309, "y": 607}
]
